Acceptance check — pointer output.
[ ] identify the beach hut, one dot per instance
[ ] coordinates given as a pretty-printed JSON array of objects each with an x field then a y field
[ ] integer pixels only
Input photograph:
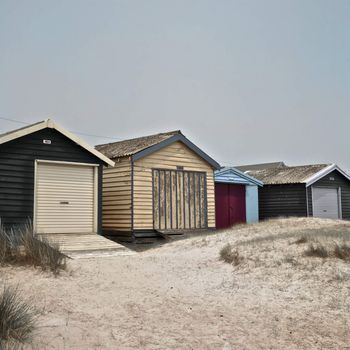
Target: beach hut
[
  {"x": 236, "y": 197},
  {"x": 318, "y": 190},
  {"x": 160, "y": 184},
  {"x": 52, "y": 178}
]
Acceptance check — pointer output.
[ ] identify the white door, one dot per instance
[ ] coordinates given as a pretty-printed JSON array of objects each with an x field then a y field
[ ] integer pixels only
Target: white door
[
  {"x": 65, "y": 198},
  {"x": 325, "y": 202}
]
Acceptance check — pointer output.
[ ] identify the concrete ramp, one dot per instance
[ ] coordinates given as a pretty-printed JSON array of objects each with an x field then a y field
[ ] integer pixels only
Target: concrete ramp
[{"x": 87, "y": 245}]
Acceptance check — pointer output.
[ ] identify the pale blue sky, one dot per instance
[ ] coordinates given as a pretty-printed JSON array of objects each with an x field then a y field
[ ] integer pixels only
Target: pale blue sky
[{"x": 248, "y": 81}]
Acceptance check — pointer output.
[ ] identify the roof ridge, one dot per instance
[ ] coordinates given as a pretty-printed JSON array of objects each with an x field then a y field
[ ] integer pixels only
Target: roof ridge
[
  {"x": 306, "y": 165},
  {"x": 174, "y": 132},
  {"x": 292, "y": 167}
]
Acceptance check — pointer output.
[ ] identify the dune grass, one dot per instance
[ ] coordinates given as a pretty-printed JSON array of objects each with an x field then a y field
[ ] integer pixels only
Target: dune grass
[
  {"x": 288, "y": 240},
  {"x": 230, "y": 255},
  {"x": 19, "y": 246},
  {"x": 17, "y": 319}
]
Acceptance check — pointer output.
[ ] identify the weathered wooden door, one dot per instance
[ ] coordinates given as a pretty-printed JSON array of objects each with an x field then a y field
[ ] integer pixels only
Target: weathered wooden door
[
  {"x": 179, "y": 200},
  {"x": 229, "y": 204}
]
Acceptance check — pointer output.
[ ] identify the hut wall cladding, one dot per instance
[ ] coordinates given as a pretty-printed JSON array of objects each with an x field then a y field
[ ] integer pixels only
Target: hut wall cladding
[
  {"x": 339, "y": 181},
  {"x": 176, "y": 154},
  {"x": 17, "y": 160},
  {"x": 282, "y": 200},
  {"x": 117, "y": 196}
]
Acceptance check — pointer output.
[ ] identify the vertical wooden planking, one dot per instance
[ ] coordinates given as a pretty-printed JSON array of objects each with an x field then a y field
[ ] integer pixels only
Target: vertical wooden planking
[
  {"x": 180, "y": 196},
  {"x": 156, "y": 199},
  {"x": 203, "y": 202},
  {"x": 161, "y": 200},
  {"x": 200, "y": 200},
  {"x": 206, "y": 201},
  {"x": 174, "y": 200},
  {"x": 186, "y": 200},
  {"x": 197, "y": 200},
  {"x": 192, "y": 200},
  {"x": 168, "y": 199},
  {"x": 179, "y": 199},
  {"x": 188, "y": 191}
]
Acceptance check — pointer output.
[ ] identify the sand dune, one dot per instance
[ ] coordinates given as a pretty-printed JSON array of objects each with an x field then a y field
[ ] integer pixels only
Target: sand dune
[{"x": 181, "y": 296}]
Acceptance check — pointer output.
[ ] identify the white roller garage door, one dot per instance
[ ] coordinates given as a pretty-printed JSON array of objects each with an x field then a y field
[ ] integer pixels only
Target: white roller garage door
[
  {"x": 65, "y": 198},
  {"x": 325, "y": 202}
]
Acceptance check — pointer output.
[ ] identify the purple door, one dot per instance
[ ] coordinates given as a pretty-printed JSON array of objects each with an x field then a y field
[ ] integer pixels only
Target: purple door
[{"x": 229, "y": 204}]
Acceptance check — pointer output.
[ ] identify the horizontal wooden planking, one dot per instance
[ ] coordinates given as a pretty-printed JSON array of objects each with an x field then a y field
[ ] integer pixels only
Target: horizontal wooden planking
[
  {"x": 117, "y": 197},
  {"x": 143, "y": 212},
  {"x": 145, "y": 198},
  {"x": 117, "y": 180},
  {"x": 168, "y": 161},
  {"x": 118, "y": 183},
  {"x": 282, "y": 200},
  {"x": 110, "y": 227},
  {"x": 116, "y": 194},
  {"x": 116, "y": 175},
  {"x": 168, "y": 164},
  {"x": 118, "y": 200},
  {"x": 177, "y": 150},
  {"x": 123, "y": 172},
  {"x": 121, "y": 206},
  {"x": 116, "y": 209},
  {"x": 121, "y": 226},
  {"x": 116, "y": 219},
  {"x": 118, "y": 191}
]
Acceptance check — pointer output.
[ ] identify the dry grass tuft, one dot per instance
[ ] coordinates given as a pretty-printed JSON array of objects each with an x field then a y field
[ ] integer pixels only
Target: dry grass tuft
[
  {"x": 339, "y": 251},
  {"x": 41, "y": 252},
  {"x": 342, "y": 251},
  {"x": 301, "y": 240},
  {"x": 17, "y": 319},
  {"x": 230, "y": 255},
  {"x": 21, "y": 247},
  {"x": 317, "y": 250},
  {"x": 290, "y": 244}
]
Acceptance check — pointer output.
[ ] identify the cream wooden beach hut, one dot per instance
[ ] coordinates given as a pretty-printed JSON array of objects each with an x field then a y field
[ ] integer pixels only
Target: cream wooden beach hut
[{"x": 160, "y": 184}]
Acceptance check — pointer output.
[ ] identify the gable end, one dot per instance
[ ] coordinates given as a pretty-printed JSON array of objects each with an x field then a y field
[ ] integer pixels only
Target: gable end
[{"x": 170, "y": 141}]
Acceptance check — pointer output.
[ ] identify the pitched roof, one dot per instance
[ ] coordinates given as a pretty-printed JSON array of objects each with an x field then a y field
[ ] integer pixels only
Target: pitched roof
[
  {"x": 260, "y": 166},
  {"x": 287, "y": 174},
  {"x": 142, "y": 146},
  {"x": 20, "y": 129},
  {"x": 49, "y": 123},
  {"x": 233, "y": 175},
  {"x": 132, "y": 146}
]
